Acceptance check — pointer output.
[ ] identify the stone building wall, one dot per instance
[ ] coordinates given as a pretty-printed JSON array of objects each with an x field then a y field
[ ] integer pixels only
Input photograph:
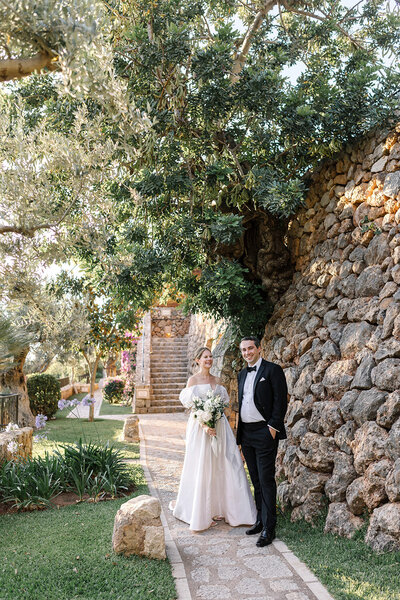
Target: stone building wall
[
  {"x": 336, "y": 333},
  {"x": 16, "y": 443},
  {"x": 169, "y": 322}
]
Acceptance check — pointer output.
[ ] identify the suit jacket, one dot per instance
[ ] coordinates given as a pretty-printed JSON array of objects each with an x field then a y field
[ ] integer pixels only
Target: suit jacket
[{"x": 270, "y": 396}]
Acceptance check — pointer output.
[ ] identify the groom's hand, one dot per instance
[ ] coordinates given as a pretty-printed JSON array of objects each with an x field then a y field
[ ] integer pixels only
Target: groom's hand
[{"x": 272, "y": 432}]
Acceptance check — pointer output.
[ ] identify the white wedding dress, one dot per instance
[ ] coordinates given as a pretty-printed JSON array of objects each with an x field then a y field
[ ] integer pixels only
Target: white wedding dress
[{"x": 213, "y": 481}]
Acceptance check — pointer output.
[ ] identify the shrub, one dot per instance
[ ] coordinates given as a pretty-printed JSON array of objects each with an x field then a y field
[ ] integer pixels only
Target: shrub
[
  {"x": 44, "y": 394},
  {"x": 113, "y": 390},
  {"x": 31, "y": 483},
  {"x": 82, "y": 468}
]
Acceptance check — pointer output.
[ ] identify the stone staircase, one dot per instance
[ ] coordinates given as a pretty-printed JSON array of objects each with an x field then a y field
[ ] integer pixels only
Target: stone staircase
[{"x": 168, "y": 373}]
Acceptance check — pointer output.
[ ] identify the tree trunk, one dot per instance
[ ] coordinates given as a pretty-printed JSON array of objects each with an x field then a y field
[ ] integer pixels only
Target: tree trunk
[
  {"x": 111, "y": 366},
  {"x": 14, "y": 380},
  {"x": 92, "y": 382}
]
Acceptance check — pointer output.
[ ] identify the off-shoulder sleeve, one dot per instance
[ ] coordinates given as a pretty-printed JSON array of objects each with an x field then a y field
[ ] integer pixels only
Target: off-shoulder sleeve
[
  {"x": 186, "y": 397},
  {"x": 224, "y": 394}
]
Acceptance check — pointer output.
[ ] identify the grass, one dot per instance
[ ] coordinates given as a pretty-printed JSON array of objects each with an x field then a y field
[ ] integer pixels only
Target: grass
[
  {"x": 348, "y": 568},
  {"x": 66, "y": 553},
  {"x": 63, "y": 430},
  {"x": 114, "y": 409}
]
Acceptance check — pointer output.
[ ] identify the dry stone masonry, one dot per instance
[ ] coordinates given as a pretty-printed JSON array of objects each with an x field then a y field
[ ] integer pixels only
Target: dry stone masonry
[{"x": 336, "y": 333}]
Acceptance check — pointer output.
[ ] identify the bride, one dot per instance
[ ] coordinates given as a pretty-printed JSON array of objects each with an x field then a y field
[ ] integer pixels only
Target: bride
[{"x": 213, "y": 483}]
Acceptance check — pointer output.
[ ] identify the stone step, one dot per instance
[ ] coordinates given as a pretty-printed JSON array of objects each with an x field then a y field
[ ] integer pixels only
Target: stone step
[
  {"x": 160, "y": 409},
  {"x": 169, "y": 355},
  {"x": 176, "y": 341},
  {"x": 160, "y": 367},
  {"x": 166, "y": 409},
  {"x": 165, "y": 402},
  {"x": 160, "y": 382},
  {"x": 161, "y": 370},
  {"x": 158, "y": 386},
  {"x": 164, "y": 347}
]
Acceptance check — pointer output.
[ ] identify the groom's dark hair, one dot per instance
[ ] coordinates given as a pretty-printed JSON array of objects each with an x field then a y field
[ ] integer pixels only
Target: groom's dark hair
[{"x": 251, "y": 338}]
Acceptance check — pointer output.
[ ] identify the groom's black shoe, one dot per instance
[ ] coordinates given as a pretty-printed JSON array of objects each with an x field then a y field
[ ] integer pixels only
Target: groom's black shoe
[
  {"x": 257, "y": 527},
  {"x": 265, "y": 538}
]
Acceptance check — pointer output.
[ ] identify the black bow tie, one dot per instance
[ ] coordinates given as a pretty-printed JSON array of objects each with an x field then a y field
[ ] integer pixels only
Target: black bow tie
[{"x": 249, "y": 369}]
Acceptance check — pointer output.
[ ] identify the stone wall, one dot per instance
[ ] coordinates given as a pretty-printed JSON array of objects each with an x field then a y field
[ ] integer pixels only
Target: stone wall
[
  {"x": 336, "y": 333},
  {"x": 169, "y": 322},
  {"x": 16, "y": 443}
]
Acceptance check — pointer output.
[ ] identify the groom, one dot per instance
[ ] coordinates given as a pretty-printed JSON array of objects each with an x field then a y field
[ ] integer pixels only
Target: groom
[{"x": 262, "y": 407}]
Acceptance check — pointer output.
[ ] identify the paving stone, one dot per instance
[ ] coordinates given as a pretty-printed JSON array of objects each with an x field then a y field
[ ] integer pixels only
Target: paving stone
[
  {"x": 297, "y": 596},
  {"x": 230, "y": 572},
  {"x": 191, "y": 550},
  {"x": 283, "y": 585},
  {"x": 219, "y": 549},
  {"x": 268, "y": 567},
  {"x": 221, "y": 563},
  {"x": 214, "y": 592},
  {"x": 250, "y": 586},
  {"x": 212, "y": 561},
  {"x": 200, "y": 575}
]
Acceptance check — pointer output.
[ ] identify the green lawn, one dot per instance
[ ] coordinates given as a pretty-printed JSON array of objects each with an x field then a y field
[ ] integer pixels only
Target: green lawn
[
  {"x": 348, "y": 568},
  {"x": 66, "y": 553},
  {"x": 63, "y": 430},
  {"x": 114, "y": 409}
]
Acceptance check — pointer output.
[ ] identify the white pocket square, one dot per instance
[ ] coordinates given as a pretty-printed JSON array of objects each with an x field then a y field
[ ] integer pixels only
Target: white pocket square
[{"x": 262, "y": 379}]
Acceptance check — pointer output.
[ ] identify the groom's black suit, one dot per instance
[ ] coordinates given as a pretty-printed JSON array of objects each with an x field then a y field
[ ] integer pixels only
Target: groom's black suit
[{"x": 258, "y": 446}]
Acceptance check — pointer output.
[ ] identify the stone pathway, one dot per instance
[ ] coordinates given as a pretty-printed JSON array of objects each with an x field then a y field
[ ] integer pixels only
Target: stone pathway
[{"x": 221, "y": 563}]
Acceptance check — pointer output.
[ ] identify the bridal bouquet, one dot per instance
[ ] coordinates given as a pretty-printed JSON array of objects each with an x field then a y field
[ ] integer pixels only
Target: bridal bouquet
[{"x": 208, "y": 410}]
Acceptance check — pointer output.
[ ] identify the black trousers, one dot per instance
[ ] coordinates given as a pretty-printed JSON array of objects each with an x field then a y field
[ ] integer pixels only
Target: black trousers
[{"x": 259, "y": 450}]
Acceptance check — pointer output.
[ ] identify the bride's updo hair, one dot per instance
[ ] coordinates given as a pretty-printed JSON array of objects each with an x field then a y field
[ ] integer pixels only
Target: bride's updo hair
[{"x": 198, "y": 355}]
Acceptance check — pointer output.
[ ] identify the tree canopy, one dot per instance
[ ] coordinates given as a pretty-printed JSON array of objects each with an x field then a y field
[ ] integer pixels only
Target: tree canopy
[{"x": 170, "y": 129}]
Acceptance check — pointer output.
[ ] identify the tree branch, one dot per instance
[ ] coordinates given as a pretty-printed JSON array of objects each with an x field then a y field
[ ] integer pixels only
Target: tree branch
[
  {"x": 16, "y": 68},
  {"x": 241, "y": 57}
]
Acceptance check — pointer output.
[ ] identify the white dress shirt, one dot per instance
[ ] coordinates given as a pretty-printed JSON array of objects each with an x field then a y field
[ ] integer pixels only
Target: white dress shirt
[{"x": 248, "y": 411}]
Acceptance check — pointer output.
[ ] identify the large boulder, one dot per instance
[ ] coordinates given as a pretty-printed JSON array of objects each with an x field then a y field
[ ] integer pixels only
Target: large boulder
[
  {"x": 344, "y": 436},
  {"x": 138, "y": 528},
  {"x": 354, "y": 338},
  {"x": 386, "y": 375},
  {"x": 310, "y": 510},
  {"x": 355, "y": 496},
  {"x": 291, "y": 462},
  {"x": 389, "y": 412},
  {"x": 325, "y": 418},
  {"x": 368, "y": 445},
  {"x": 347, "y": 403},
  {"x": 343, "y": 474},
  {"x": 362, "y": 379},
  {"x": 341, "y": 521},
  {"x": 392, "y": 484},
  {"x": 393, "y": 441},
  {"x": 369, "y": 282},
  {"x": 383, "y": 533},
  {"x": 374, "y": 483},
  {"x": 317, "y": 452},
  {"x": 307, "y": 481},
  {"x": 367, "y": 404},
  {"x": 131, "y": 429},
  {"x": 339, "y": 375}
]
